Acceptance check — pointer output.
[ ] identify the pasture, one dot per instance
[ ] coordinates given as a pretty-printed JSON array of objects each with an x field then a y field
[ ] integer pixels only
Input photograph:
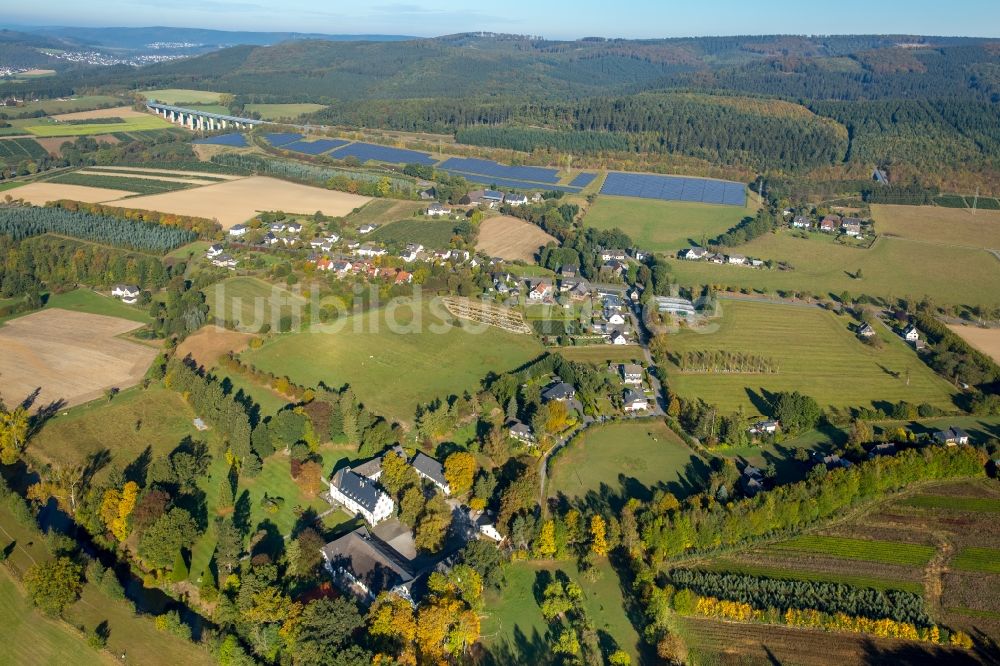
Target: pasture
[
  {"x": 893, "y": 267},
  {"x": 610, "y": 463},
  {"x": 42, "y": 192},
  {"x": 665, "y": 226},
  {"x": 432, "y": 234},
  {"x": 237, "y": 201},
  {"x": 383, "y": 211},
  {"x": 396, "y": 357},
  {"x": 92, "y": 302},
  {"x": 82, "y": 103},
  {"x": 141, "y": 123},
  {"x": 511, "y": 238},
  {"x": 57, "y": 350},
  {"x": 250, "y": 303},
  {"x": 815, "y": 352},
  {"x": 283, "y": 111},
  {"x": 182, "y": 96},
  {"x": 115, "y": 112},
  {"x": 943, "y": 226},
  {"x": 986, "y": 340},
  {"x": 601, "y": 354}
]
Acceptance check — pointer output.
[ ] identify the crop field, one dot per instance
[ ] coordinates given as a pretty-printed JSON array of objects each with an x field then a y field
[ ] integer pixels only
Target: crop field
[
  {"x": 663, "y": 226},
  {"x": 163, "y": 178},
  {"x": 893, "y": 267},
  {"x": 82, "y": 103},
  {"x": 791, "y": 336},
  {"x": 395, "y": 357},
  {"x": 986, "y": 560},
  {"x": 884, "y": 552},
  {"x": 251, "y": 303},
  {"x": 42, "y": 192},
  {"x": 135, "y": 184},
  {"x": 56, "y": 351},
  {"x": 432, "y": 234},
  {"x": 144, "y": 122},
  {"x": 511, "y": 238},
  {"x": 15, "y": 150},
  {"x": 237, "y": 201},
  {"x": 944, "y": 226},
  {"x": 514, "y": 631},
  {"x": 115, "y": 112},
  {"x": 630, "y": 459},
  {"x": 282, "y": 111},
  {"x": 382, "y": 211},
  {"x": 202, "y": 177},
  {"x": 211, "y": 342},
  {"x": 955, "y": 503},
  {"x": 182, "y": 96},
  {"x": 986, "y": 340}
]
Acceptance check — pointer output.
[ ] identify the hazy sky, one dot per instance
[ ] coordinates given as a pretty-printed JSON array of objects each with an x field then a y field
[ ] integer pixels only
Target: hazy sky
[{"x": 550, "y": 18}]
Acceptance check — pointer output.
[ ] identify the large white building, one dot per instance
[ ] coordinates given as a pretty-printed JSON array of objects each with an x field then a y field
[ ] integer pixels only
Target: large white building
[{"x": 361, "y": 496}]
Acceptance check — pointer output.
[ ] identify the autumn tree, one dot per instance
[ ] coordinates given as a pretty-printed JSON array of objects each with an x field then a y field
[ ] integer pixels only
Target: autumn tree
[
  {"x": 545, "y": 544},
  {"x": 13, "y": 433},
  {"x": 397, "y": 474},
  {"x": 391, "y": 619},
  {"x": 61, "y": 483},
  {"x": 598, "y": 540},
  {"x": 432, "y": 528},
  {"x": 116, "y": 508},
  {"x": 460, "y": 470},
  {"x": 54, "y": 585},
  {"x": 311, "y": 478}
]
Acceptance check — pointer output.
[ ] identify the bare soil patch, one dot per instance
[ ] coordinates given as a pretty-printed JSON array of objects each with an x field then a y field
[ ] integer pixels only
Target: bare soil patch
[
  {"x": 70, "y": 356},
  {"x": 986, "y": 340},
  {"x": 211, "y": 342},
  {"x": 116, "y": 112},
  {"x": 511, "y": 238},
  {"x": 41, "y": 193},
  {"x": 236, "y": 201}
]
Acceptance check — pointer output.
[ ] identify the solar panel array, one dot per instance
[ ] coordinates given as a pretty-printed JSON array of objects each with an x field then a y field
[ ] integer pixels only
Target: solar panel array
[
  {"x": 510, "y": 183},
  {"x": 370, "y": 151},
  {"x": 314, "y": 147},
  {"x": 235, "y": 140},
  {"x": 675, "y": 188},
  {"x": 281, "y": 138},
  {"x": 583, "y": 179},
  {"x": 494, "y": 169}
]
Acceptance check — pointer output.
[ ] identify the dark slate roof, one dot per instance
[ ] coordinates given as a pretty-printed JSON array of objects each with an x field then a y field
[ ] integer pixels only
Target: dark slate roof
[
  {"x": 360, "y": 489},
  {"x": 430, "y": 468},
  {"x": 559, "y": 391},
  {"x": 369, "y": 561},
  {"x": 632, "y": 395}
]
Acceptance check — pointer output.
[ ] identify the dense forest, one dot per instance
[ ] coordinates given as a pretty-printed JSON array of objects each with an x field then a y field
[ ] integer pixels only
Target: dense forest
[{"x": 21, "y": 222}]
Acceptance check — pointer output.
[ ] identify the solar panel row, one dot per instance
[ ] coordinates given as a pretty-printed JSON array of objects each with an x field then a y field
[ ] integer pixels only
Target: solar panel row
[
  {"x": 675, "y": 188},
  {"x": 235, "y": 140},
  {"x": 510, "y": 183},
  {"x": 370, "y": 151},
  {"x": 314, "y": 147},
  {"x": 489, "y": 168},
  {"x": 281, "y": 138},
  {"x": 583, "y": 179}
]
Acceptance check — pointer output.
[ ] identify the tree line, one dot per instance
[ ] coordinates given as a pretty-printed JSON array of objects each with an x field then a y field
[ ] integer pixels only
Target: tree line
[{"x": 723, "y": 361}]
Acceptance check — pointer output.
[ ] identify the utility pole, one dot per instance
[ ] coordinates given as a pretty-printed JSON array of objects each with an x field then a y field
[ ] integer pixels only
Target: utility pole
[{"x": 975, "y": 201}]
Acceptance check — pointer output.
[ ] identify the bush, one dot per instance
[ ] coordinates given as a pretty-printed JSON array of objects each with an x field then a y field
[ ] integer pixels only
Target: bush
[{"x": 170, "y": 623}]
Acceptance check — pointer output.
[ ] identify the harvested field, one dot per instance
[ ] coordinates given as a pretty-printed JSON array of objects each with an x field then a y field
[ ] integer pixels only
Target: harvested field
[
  {"x": 117, "y": 112},
  {"x": 41, "y": 193},
  {"x": 211, "y": 342},
  {"x": 170, "y": 172},
  {"x": 511, "y": 238},
  {"x": 945, "y": 226},
  {"x": 70, "y": 356},
  {"x": 166, "y": 179},
  {"x": 986, "y": 340},
  {"x": 237, "y": 201}
]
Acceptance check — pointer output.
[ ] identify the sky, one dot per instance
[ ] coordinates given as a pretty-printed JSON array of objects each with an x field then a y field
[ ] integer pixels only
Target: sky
[{"x": 548, "y": 18}]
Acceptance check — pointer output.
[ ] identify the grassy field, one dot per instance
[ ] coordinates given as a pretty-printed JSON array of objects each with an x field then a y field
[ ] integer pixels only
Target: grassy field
[
  {"x": 893, "y": 267},
  {"x": 251, "y": 303},
  {"x": 282, "y": 111},
  {"x": 601, "y": 354},
  {"x": 432, "y": 234},
  {"x": 662, "y": 226},
  {"x": 394, "y": 371},
  {"x": 943, "y": 226},
  {"x": 382, "y": 211},
  {"x": 85, "y": 300},
  {"x": 180, "y": 96},
  {"x": 628, "y": 459},
  {"x": 9, "y": 186},
  {"x": 514, "y": 631},
  {"x": 110, "y": 181},
  {"x": 149, "y": 122},
  {"x": 885, "y": 552},
  {"x": 815, "y": 353},
  {"x": 985, "y": 560},
  {"x": 135, "y": 419},
  {"x": 56, "y": 106}
]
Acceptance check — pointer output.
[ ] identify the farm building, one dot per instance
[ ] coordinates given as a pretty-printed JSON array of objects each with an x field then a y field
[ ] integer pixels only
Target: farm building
[
  {"x": 676, "y": 306},
  {"x": 365, "y": 566},
  {"x": 361, "y": 496}
]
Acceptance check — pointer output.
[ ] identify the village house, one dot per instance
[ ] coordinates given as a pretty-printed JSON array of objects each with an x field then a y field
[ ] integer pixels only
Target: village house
[
  {"x": 559, "y": 391},
  {"x": 540, "y": 291},
  {"x": 613, "y": 318},
  {"x": 269, "y": 239},
  {"x": 613, "y": 255},
  {"x": 801, "y": 222},
  {"x": 370, "y": 250},
  {"x": 239, "y": 230},
  {"x": 402, "y": 277},
  {"x": 486, "y": 525},
  {"x": 717, "y": 258},
  {"x": 884, "y": 449},
  {"x": 367, "y": 228},
  {"x": 492, "y": 198},
  {"x": 911, "y": 334},
  {"x": 694, "y": 253},
  {"x": 442, "y": 255},
  {"x": 865, "y": 330},
  {"x": 764, "y": 428},
  {"x": 293, "y": 228},
  {"x": 353, "y": 245},
  {"x": 365, "y": 566},
  {"x": 613, "y": 267},
  {"x": 513, "y": 199},
  {"x": 428, "y": 194},
  {"x": 277, "y": 227},
  {"x": 128, "y": 293},
  {"x": 618, "y": 338},
  {"x": 432, "y": 470},
  {"x": 635, "y": 401},
  {"x": 851, "y": 226},
  {"x": 214, "y": 250},
  {"x": 952, "y": 436},
  {"x": 752, "y": 480},
  {"x": 736, "y": 259},
  {"x": 224, "y": 261},
  {"x": 832, "y": 461},
  {"x": 631, "y": 373},
  {"x": 580, "y": 291},
  {"x": 411, "y": 252},
  {"x": 361, "y": 496},
  {"x": 437, "y": 209},
  {"x": 569, "y": 271},
  {"x": 520, "y": 431},
  {"x": 829, "y": 224}
]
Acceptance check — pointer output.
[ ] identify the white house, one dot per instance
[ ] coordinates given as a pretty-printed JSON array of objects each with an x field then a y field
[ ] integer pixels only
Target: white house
[
  {"x": 432, "y": 470},
  {"x": 214, "y": 250},
  {"x": 436, "y": 209},
  {"x": 513, "y": 199},
  {"x": 361, "y": 496},
  {"x": 293, "y": 228},
  {"x": 911, "y": 334},
  {"x": 128, "y": 293},
  {"x": 737, "y": 259},
  {"x": 635, "y": 401},
  {"x": 618, "y": 338},
  {"x": 239, "y": 230},
  {"x": 802, "y": 222},
  {"x": 367, "y": 228},
  {"x": 540, "y": 291},
  {"x": 369, "y": 250},
  {"x": 631, "y": 373},
  {"x": 487, "y": 527},
  {"x": 614, "y": 318},
  {"x": 694, "y": 253},
  {"x": 952, "y": 436},
  {"x": 411, "y": 251},
  {"x": 866, "y": 330},
  {"x": 764, "y": 428},
  {"x": 520, "y": 431},
  {"x": 224, "y": 261},
  {"x": 613, "y": 255}
]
